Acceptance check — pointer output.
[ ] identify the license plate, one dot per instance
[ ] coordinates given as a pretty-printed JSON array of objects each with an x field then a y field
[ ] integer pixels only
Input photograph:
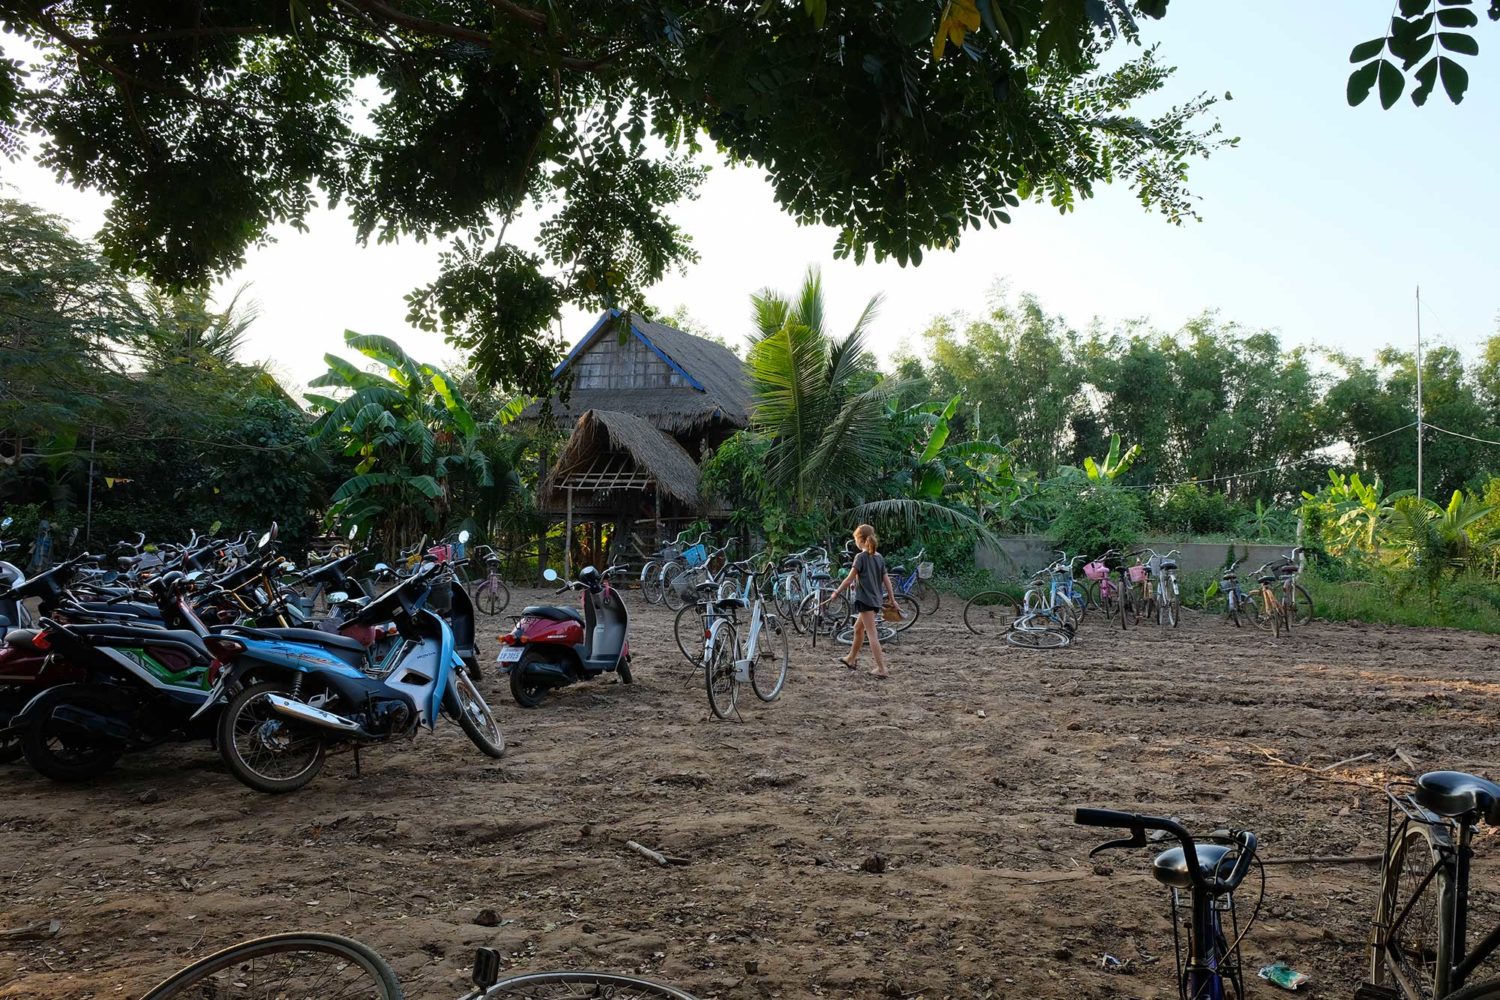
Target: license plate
[{"x": 509, "y": 654}]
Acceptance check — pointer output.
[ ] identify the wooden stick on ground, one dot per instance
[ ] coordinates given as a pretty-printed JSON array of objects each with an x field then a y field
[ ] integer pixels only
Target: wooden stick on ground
[
  {"x": 1348, "y": 760},
  {"x": 1333, "y": 859},
  {"x": 657, "y": 856}
]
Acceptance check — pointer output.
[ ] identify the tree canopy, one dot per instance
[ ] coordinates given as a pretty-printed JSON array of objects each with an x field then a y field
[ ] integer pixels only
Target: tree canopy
[{"x": 900, "y": 123}]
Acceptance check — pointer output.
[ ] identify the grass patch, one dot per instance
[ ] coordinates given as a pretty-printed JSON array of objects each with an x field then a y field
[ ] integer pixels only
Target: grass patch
[{"x": 1466, "y": 603}]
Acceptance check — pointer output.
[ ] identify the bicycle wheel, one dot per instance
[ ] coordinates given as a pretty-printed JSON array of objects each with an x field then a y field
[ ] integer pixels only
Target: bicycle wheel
[
  {"x": 1091, "y": 596},
  {"x": 789, "y": 597},
  {"x": 772, "y": 658},
  {"x": 1166, "y": 608},
  {"x": 928, "y": 598},
  {"x": 820, "y": 613},
  {"x": 1488, "y": 990},
  {"x": 571, "y": 984},
  {"x": 845, "y": 634},
  {"x": 1416, "y": 947},
  {"x": 687, "y": 628},
  {"x": 1302, "y": 605},
  {"x": 491, "y": 597},
  {"x": 990, "y": 613},
  {"x": 671, "y": 590},
  {"x": 718, "y": 671},
  {"x": 1037, "y": 638},
  {"x": 910, "y": 612},
  {"x": 651, "y": 582},
  {"x": 290, "y": 966}
]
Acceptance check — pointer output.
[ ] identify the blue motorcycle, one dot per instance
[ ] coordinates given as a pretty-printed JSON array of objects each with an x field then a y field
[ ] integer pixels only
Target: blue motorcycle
[{"x": 294, "y": 694}]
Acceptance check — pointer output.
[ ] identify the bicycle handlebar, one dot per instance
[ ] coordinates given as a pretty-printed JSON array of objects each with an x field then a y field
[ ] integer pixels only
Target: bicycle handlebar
[{"x": 1138, "y": 824}]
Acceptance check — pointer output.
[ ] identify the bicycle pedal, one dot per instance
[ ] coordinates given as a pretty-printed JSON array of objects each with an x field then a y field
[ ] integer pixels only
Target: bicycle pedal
[{"x": 1369, "y": 991}]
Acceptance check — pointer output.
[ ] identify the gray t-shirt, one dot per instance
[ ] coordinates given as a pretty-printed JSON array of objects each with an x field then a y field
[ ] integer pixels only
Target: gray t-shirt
[{"x": 869, "y": 579}]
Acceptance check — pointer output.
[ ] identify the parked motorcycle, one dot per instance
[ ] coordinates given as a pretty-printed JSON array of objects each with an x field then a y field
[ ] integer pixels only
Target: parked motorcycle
[
  {"x": 288, "y": 704},
  {"x": 13, "y": 612},
  {"x": 552, "y": 647}
]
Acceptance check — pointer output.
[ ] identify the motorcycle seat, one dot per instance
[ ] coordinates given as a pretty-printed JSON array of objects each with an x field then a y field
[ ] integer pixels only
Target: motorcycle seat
[
  {"x": 551, "y": 613},
  {"x": 20, "y": 637},
  {"x": 143, "y": 634},
  {"x": 149, "y": 612}
]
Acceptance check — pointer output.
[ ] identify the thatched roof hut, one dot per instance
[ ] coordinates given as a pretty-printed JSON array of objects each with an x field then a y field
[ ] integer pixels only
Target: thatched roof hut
[
  {"x": 611, "y": 454},
  {"x": 692, "y": 388}
]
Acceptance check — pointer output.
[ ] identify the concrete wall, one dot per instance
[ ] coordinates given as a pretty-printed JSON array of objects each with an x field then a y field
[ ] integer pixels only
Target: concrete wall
[{"x": 1018, "y": 556}]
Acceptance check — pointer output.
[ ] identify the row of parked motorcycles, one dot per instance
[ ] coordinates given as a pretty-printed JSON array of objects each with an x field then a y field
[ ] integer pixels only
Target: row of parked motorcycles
[{"x": 102, "y": 657}]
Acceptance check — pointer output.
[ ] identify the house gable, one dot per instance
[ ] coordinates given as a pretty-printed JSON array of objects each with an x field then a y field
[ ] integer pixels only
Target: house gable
[{"x": 603, "y": 360}]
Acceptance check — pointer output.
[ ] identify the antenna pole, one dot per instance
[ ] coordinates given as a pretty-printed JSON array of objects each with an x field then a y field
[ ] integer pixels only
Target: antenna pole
[{"x": 1419, "y": 392}]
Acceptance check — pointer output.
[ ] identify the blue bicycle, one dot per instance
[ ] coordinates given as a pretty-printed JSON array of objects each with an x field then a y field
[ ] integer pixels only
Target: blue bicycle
[
  {"x": 916, "y": 582},
  {"x": 1208, "y": 870}
]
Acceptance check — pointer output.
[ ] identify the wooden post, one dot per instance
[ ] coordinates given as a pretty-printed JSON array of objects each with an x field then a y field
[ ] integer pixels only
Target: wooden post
[
  {"x": 568, "y": 538},
  {"x": 656, "y": 492}
]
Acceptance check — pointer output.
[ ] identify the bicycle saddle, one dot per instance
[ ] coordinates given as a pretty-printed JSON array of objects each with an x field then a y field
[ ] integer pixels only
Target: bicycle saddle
[
  {"x": 1170, "y": 867},
  {"x": 1454, "y": 794},
  {"x": 1265, "y": 579},
  {"x": 730, "y": 603},
  {"x": 1169, "y": 564}
]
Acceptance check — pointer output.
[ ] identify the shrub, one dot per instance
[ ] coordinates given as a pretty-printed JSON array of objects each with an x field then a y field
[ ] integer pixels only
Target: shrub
[
  {"x": 1098, "y": 517},
  {"x": 1191, "y": 510}
]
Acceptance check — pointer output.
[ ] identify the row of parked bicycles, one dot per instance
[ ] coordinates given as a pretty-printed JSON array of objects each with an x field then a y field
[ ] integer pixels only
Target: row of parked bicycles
[
  {"x": 1146, "y": 591},
  {"x": 223, "y": 640}
]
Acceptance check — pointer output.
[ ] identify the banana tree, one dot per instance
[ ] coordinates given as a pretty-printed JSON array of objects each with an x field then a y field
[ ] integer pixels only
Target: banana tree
[
  {"x": 1114, "y": 465},
  {"x": 409, "y": 433}
]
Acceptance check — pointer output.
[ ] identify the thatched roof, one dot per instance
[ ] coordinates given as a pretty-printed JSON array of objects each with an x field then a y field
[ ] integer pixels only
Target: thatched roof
[
  {"x": 610, "y": 450},
  {"x": 716, "y": 389}
]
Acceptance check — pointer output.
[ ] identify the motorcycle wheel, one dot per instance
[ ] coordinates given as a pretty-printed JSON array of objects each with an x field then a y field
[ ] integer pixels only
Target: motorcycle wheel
[
  {"x": 61, "y": 755},
  {"x": 528, "y": 694},
  {"x": 468, "y": 706},
  {"x": 252, "y": 739}
]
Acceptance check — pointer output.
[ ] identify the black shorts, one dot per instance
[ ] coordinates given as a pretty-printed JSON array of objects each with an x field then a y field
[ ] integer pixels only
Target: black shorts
[{"x": 862, "y": 607}]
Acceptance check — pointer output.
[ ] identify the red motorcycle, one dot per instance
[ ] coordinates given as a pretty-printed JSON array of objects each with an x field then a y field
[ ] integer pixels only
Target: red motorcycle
[{"x": 552, "y": 647}]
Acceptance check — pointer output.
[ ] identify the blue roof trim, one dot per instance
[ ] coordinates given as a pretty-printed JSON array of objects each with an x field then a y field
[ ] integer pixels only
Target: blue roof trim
[
  {"x": 588, "y": 339},
  {"x": 662, "y": 354}
]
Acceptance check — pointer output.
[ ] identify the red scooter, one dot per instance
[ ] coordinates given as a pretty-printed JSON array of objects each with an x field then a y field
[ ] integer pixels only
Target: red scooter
[{"x": 553, "y": 647}]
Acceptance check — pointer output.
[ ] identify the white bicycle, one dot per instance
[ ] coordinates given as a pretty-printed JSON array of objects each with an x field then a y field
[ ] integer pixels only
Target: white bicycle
[{"x": 759, "y": 656}]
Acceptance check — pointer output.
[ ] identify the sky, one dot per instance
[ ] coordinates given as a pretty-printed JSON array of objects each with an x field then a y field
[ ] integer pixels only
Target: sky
[{"x": 1319, "y": 225}]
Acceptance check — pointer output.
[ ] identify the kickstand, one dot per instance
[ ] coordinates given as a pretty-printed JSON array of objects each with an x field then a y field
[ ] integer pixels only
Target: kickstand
[{"x": 356, "y": 760}]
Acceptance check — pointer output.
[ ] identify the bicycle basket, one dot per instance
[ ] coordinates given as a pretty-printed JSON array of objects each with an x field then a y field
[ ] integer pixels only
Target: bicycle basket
[
  {"x": 670, "y": 552},
  {"x": 924, "y": 571},
  {"x": 1096, "y": 570},
  {"x": 1137, "y": 574},
  {"x": 697, "y": 555}
]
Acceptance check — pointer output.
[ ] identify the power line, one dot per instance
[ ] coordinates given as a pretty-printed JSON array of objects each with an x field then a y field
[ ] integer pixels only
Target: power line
[
  {"x": 1291, "y": 464},
  {"x": 1467, "y": 437}
]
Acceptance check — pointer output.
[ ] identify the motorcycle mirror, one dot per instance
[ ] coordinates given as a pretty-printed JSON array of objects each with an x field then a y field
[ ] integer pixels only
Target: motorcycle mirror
[
  {"x": 353, "y": 531},
  {"x": 336, "y": 598},
  {"x": 463, "y": 537},
  {"x": 382, "y": 568},
  {"x": 549, "y": 574},
  {"x": 193, "y": 576},
  {"x": 7, "y": 522},
  {"x": 289, "y": 566},
  {"x": 265, "y": 540},
  {"x": 275, "y": 531}
]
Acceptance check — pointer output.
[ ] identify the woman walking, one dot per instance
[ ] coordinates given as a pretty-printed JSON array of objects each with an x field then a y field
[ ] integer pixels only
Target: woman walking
[{"x": 868, "y": 579}]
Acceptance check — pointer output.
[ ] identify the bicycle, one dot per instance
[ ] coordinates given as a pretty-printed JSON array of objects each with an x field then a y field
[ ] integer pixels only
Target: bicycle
[
  {"x": 1166, "y": 596},
  {"x": 1294, "y": 594},
  {"x": 1239, "y": 606},
  {"x": 729, "y": 659},
  {"x": 1419, "y": 948},
  {"x": 315, "y": 966},
  {"x": 991, "y": 613},
  {"x": 492, "y": 596},
  {"x": 1109, "y": 595},
  {"x": 694, "y": 562},
  {"x": 691, "y": 624},
  {"x": 915, "y": 585},
  {"x": 651, "y": 573},
  {"x": 1278, "y": 614},
  {"x": 1209, "y": 872}
]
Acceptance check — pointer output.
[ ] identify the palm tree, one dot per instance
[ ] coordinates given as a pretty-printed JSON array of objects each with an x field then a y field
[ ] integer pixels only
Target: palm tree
[
  {"x": 820, "y": 399},
  {"x": 1437, "y": 537},
  {"x": 410, "y": 432},
  {"x": 184, "y": 328}
]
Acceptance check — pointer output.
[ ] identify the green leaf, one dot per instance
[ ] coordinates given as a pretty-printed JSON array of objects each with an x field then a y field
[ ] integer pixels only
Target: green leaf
[
  {"x": 1365, "y": 51},
  {"x": 817, "y": 10},
  {"x": 425, "y": 485},
  {"x": 1391, "y": 82},
  {"x": 1360, "y": 83},
  {"x": 1413, "y": 8},
  {"x": 939, "y": 433},
  {"x": 1457, "y": 17},
  {"x": 1426, "y": 78},
  {"x": 914, "y": 24},
  {"x": 1457, "y": 41},
  {"x": 1455, "y": 79}
]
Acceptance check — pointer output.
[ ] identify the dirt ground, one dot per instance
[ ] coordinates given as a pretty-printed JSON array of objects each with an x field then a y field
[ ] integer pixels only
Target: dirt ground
[{"x": 959, "y": 774}]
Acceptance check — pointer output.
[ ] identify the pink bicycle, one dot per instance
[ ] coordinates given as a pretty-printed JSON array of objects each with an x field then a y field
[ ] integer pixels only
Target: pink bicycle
[{"x": 1107, "y": 588}]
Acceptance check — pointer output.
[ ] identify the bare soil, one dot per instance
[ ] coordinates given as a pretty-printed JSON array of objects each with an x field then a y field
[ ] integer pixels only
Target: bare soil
[{"x": 909, "y": 837}]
